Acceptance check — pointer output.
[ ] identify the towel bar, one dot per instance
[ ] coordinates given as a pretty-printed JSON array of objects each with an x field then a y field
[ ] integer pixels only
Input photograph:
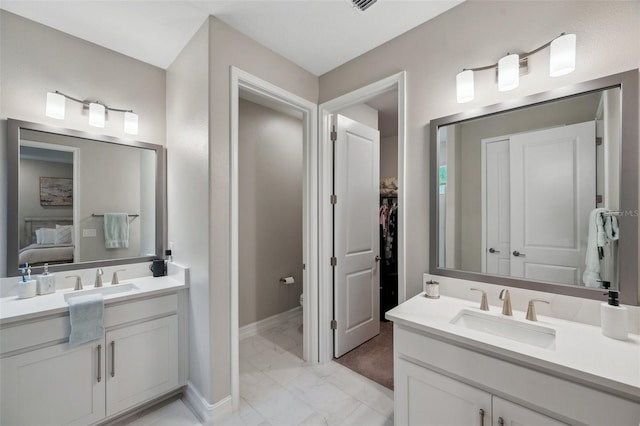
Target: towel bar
[
  {"x": 101, "y": 215},
  {"x": 612, "y": 213}
]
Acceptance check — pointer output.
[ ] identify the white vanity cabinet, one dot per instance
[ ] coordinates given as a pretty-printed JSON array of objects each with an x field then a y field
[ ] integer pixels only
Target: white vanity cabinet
[
  {"x": 441, "y": 382},
  {"x": 141, "y": 357},
  {"x": 56, "y": 385}
]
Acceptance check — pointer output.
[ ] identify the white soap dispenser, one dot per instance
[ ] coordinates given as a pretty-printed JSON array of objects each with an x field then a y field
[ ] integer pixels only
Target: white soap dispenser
[
  {"x": 613, "y": 317},
  {"x": 46, "y": 281}
]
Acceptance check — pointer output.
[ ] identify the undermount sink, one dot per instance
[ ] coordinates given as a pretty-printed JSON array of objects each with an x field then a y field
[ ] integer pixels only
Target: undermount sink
[
  {"x": 507, "y": 327},
  {"x": 105, "y": 291}
]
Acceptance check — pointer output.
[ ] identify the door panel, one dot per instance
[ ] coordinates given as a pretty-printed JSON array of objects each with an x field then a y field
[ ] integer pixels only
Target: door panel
[
  {"x": 356, "y": 234},
  {"x": 497, "y": 200},
  {"x": 57, "y": 385},
  {"x": 552, "y": 194}
]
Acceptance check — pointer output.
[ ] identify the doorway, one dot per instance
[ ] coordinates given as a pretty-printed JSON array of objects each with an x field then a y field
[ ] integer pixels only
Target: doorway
[
  {"x": 326, "y": 271},
  {"x": 265, "y": 93}
]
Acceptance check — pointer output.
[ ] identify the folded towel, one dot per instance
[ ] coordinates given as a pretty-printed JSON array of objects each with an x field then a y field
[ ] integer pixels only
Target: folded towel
[
  {"x": 85, "y": 316},
  {"x": 116, "y": 230}
]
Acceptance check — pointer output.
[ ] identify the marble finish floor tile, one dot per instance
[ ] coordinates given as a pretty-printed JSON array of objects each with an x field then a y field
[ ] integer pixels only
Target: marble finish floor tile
[{"x": 277, "y": 388}]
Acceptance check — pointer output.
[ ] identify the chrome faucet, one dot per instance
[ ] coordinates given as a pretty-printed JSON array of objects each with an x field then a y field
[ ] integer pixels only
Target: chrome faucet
[
  {"x": 531, "y": 309},
  {"x": 78, "y": 281},
  {"x": 98, "y": 282},
  {"x": 506, "y": 305},
  {"x": 114, "y": 278},
  {"x": 484, "y": 303}
]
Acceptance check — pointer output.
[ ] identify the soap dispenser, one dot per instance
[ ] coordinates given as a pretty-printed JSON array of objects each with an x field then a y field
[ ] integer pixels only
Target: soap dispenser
[
  {"x": 613, "y": 316},
  {"x": 46, "y": 281}
]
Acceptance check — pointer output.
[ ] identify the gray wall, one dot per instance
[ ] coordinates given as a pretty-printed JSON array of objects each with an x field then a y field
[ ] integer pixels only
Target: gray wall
[
  {"x": 270, "y": 205},
  {"x": 36, "y": 59},
  {"x": 188, "y": 186},
  {"x": 389, "y": 157},
  {"x": 476, "y": 34}
]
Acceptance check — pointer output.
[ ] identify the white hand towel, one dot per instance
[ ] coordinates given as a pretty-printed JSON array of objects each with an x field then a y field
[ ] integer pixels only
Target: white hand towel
[
  {"x": 591, "y": 275},
  {"x": 86, "y": 318},
  {"x": 116, "y": 230}
]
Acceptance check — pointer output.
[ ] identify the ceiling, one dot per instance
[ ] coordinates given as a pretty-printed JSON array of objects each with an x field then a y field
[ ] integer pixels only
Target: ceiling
[{"x": 318, "y": 35}]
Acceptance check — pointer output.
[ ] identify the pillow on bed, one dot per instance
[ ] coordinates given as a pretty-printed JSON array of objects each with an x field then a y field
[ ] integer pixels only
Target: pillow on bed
[
  {"x": 45, "y": 236},
  {"x": 63, "y": 234}
]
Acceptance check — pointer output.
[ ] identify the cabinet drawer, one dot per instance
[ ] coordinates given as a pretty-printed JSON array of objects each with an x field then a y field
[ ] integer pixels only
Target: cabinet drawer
[
  {"x": 25, "y": 335},
  {"x": 125, "y": 312}
]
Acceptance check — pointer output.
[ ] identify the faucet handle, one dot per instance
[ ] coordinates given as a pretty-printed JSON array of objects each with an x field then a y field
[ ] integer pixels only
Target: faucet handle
[
  {"x": 114, "y": 278},
  {"x": 78, "y": 281},
  {"x": 531, "y": 309},
  {"x": 484, "y": 303},
  {"x": 98, "y": 282},
  {"x": 506, "y": 298}
]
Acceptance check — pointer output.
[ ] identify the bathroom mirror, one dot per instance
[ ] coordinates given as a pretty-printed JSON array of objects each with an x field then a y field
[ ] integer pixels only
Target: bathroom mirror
[
  {"x": 515, "y": 188},
  {"x": 63, "y": 182}
]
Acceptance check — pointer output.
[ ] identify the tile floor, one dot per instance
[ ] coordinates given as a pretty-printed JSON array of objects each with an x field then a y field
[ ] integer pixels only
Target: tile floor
[{"x": 278, "y": 388}]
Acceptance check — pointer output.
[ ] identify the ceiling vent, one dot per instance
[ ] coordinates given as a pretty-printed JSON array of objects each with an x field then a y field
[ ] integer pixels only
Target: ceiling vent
[{"x": 363, "y": 4}]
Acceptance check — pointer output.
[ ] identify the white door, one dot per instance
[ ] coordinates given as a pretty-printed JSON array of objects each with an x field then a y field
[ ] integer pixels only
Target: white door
[
  {"x": 496, "y": 205},
  {"x": 356, "y": 234},
  {"x": 552, "y": 193},
  {"x": 506, "y": 413},
  {"x": 57, "y": 385},
  {"x": 142, "y": 362},
  {"x": 423, "y": 397}
]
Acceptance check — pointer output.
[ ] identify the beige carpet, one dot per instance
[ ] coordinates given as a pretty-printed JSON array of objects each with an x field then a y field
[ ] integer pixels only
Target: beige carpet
[{"x": 374, "y": 358}]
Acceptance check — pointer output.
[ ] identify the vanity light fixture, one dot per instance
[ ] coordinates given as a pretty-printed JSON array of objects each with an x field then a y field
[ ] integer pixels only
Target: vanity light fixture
[
  {"x": 97, "y": 111},
  {"x": 562, "y": 60}
]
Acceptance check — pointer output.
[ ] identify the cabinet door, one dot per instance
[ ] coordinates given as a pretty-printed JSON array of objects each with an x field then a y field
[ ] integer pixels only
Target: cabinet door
[
  {"x": 57, "y": 385},
  {"x": 423, "y": 397},
  {"x": 506, "y": 413},
  {"x": 142, "y": 362}
]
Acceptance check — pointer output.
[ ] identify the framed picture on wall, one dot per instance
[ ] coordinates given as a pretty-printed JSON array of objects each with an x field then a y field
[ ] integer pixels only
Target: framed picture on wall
[{"x": 56, "y": 191}]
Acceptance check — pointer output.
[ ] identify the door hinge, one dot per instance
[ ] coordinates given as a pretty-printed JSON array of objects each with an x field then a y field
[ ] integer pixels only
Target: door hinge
[
  {"x": 598, "y": 199},
  {"x": 334, "y": 324},
  {"x": 334, "y": 134},
  {"x": 334, "y": 261},
  {"x": 598, "y": 141},
  {"x": 304, "y": 266},
  {"x": 334, "y": 199}
]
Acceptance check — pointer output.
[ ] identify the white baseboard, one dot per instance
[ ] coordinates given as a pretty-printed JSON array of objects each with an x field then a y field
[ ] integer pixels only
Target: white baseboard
[
  {"x": 258, "y": 326},
  {"x": 209, "y": 414}
]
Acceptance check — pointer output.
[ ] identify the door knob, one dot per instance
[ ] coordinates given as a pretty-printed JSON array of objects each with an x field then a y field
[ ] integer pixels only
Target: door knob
[
  {"x": 492, "y": 250},
  {"x": 516, "y": 253},
  {"x": 377, "y": 258}
]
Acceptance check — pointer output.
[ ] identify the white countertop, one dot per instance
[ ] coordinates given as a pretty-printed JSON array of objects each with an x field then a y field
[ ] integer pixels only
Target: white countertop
[
  {"x": 13, "y": 309},
  {"x": 581, "y": 351}
]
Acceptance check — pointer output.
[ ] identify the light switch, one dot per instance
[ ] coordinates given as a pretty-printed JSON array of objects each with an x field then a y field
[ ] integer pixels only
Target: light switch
[{"x": 88, "y": 232}]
